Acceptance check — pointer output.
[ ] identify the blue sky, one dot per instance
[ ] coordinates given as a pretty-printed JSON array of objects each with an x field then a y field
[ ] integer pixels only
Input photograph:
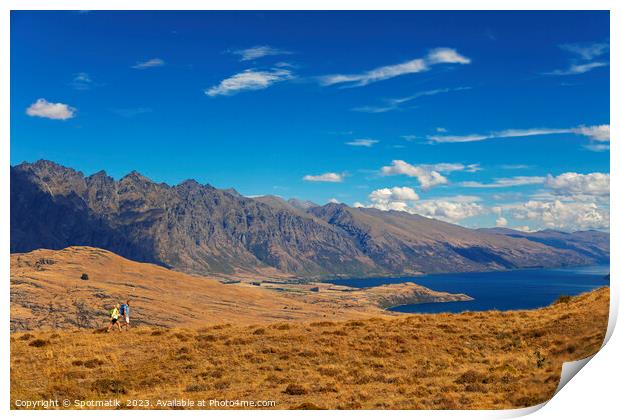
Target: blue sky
[{"x": 477, "y": 118}]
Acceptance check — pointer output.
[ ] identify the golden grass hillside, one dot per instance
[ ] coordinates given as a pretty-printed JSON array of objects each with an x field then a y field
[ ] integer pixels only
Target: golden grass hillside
[
  {"x": 48, "y": 291},
  {"x": 477, "y": 360}
]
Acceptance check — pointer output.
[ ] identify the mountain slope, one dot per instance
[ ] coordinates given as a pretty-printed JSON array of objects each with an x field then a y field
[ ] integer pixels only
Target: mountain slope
[
  {"x": 200, "y": 229},
  {"x": 48, "y": 290},
  {"x": 406, "y": 243}
]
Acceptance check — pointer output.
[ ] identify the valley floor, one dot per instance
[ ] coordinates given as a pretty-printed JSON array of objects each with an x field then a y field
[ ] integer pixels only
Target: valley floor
[{"x": 477, "y": 360}]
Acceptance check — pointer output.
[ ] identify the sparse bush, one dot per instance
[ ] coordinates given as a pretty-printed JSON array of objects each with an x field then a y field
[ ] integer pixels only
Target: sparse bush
[
  {"x": 93, "y": 363},
  {"x": 108, "y": 386},
  {"x": 38, "y": 343},
  {"x": 308, "y": 406},
  {"x": 26, "y": 336},
  {"x": 293, "y": 389},
  {"x": 562, "y": 299},
  {"x": 84, "y": 276},
  {"x": 195, "y": 388}
]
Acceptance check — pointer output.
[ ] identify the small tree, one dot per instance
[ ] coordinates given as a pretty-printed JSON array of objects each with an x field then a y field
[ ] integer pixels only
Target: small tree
[{"x": 84, "y": 276}]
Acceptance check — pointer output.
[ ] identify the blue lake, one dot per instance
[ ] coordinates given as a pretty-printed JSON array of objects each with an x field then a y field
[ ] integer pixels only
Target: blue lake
[{"x": 501, "y": 290}]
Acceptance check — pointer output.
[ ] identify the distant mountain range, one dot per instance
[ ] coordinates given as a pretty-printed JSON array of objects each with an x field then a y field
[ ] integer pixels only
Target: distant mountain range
[{"x": 201, "y": 229}]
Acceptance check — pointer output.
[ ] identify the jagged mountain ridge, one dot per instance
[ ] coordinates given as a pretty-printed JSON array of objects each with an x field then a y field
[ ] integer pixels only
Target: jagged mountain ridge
[{"x": 201, "y": 229}]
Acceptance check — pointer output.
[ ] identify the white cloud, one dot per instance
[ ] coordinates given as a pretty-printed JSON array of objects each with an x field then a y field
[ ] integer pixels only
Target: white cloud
[
  {"x": 326, "y": 177},
  {"x": 501, "y": 222},
  {"x": 447, "y": 210},
  {"x": 446, "y": 55},
  {"x": 394, "y": 103},
  {"x": 514, "y": 166},
  {"x": 596, "y": 147},
  {"x": 587, "y": 51},
  {"x": 436, "y": 56},
  {"x": 362, "y": 142},
  {"x": 440, "y": 130},
  {"x": 394, "y": 194},
  {"x": 575, "y": 184},
  {"x": 426, "y": 177},
  {"x": 562, "y": 215},
  {"x": 596, "y": 132},
  {"x": 153, "y": 62},
  {"x": 577, "y": 69},
  {"x": 506, "y": 182},
  {"x": 258, "y": 52},
  {"x": 452, "y": 167},
  {"x": 333, "y": 201},
  {"x": 54, "y": 111},
  {"x": 395, "y": 198},
  {"x": 249, "y": 80}
]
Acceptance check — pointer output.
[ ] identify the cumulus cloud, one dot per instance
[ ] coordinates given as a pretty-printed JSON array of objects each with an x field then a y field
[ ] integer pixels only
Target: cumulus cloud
[
  {"x": 562, "y": 215},
  {"x": 54, "y": 111},
  {"x": 395, "y": 198},
  {"x": 575, "y": 184},
  {"x": 501, "y": 222},
  {"x": 448, "y": 210},
  {"x": 258, "y": 51},
  {"x": 427, "y": 178},
  {"x": 506, "y": 182},
  {"x": 596, "y": 132},
  {"x": 153, "y": 62},
  {"x": 436, "y": 56},
  {"x": 249, "y": 80},
  {"x": 326, "y": 177},
  {"x": 362, "y": 142}
]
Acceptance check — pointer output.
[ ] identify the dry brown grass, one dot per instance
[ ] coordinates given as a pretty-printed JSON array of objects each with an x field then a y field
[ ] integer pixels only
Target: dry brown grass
[{"x": 444, "y": 361}]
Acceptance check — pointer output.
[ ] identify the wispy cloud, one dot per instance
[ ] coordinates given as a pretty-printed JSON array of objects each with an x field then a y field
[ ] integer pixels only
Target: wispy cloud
[
  {"x": 394, "y": 103},
  {"x": 596, "y": 133},
  {"x": 577, "y": 69},
  {"x": 587, "y": 51},
  {"x": 506, "y": 182},
  {"x": 583, "y": 62},
  {"x": 362, "y": 142},
  {"x": 326, "y": 177},
  {"x": 54, "y": 111},
  {"x": 249, "y": 80},
  {"x": 436, "y": 56},
  {"x": 258, "y": 51},
  {"x": 81, "y": 81},
  {"x": 153, "y": 62}
]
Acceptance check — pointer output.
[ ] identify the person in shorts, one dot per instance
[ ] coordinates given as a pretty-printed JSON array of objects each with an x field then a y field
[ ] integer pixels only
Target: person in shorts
[{"x": 124, "y": 314}]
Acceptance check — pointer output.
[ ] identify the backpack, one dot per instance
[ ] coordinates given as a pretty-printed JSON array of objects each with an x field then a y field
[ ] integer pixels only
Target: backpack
[{"x": 123, "y": 309}]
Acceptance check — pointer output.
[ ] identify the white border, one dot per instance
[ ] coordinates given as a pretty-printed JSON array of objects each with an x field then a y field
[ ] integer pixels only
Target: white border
[{"x": 593, "y": 394}]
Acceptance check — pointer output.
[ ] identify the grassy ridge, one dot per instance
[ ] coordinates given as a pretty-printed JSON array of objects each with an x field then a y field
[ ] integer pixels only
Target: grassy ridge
[{"x": 444, "y": 361}]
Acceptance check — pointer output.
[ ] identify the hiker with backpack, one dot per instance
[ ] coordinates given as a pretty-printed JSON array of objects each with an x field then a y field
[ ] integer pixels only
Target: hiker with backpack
[
  {"x": 114, "y": 315},
  {"x": 124, "y": 313}
]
